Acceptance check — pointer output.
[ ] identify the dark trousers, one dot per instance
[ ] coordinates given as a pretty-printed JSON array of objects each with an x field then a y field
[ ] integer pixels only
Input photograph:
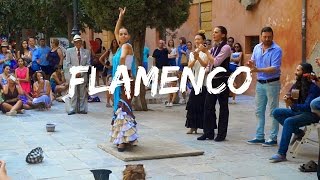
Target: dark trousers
[
  {"x": 291, "y": 121},
  {"x": 210, "y": 118}
]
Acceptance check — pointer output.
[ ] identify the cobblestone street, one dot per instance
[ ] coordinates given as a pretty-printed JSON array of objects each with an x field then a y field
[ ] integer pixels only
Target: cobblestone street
[{"x": 71, "y": 152}]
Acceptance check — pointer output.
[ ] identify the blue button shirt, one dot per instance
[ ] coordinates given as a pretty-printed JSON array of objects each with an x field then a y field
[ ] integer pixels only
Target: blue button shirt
[
  {"x": 184, "y": 48},
  {"x": 270, "y": 58},
  {"x": 41, "y": 53}
]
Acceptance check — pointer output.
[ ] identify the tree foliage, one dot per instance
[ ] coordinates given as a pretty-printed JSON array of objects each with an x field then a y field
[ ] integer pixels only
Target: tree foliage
[
  {"x": 52, "y": 17},
  {"x": 140, "y": 14}
]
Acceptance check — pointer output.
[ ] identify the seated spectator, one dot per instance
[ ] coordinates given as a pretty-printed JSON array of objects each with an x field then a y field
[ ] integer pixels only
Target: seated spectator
[
  {"x": 41, "y": 91},
  {"x": 11, "y": 91},
  {"x": 58, "y": 81},
  {"x": 5, "y": 75},
  {"x": 315, "y": 108},
  {"x": 298, "y": 99},
  {"x": 23, "y": 77}
]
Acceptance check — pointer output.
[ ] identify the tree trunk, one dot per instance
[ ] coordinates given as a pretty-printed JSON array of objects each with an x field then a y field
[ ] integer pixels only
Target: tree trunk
[
  {"x": 139, "y": 102},
  {"x": 70, "y": 24}
]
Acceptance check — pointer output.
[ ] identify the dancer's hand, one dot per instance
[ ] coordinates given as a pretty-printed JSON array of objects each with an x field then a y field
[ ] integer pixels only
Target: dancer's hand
[{"x": 122, "y": 11}]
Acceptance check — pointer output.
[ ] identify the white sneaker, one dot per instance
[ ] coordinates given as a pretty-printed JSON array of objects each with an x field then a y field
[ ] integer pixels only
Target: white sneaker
[
  {"x": 169, "y": 104},
  {"x": 11, "y": 113},
  {"x": 184, "y": 102}
]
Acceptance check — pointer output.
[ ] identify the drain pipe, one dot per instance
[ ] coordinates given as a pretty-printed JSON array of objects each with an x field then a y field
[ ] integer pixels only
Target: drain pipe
[
  {"x": 304, "y": 30},
  {"x": 199, "y": 5}
]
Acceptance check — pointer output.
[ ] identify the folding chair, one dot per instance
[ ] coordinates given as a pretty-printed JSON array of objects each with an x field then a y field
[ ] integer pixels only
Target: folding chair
[{"x": 305, "y": 139}]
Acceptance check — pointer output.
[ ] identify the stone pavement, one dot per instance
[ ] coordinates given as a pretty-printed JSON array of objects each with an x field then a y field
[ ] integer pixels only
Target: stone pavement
[{"x": 71, "y": 152}]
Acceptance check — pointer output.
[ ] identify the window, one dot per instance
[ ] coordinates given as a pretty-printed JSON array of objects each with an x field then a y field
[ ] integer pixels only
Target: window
[{"x": 250, "y": 43}]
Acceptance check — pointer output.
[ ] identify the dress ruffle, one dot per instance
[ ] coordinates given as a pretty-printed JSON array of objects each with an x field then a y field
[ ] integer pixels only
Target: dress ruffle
[{"x": 124, "y": 129}]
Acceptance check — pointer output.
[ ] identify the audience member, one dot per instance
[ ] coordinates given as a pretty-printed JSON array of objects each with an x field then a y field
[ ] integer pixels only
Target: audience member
[
  {"x": 235, "y": 59},
  {"x": 40, "y": 56},
  {"x": 41, "y": 90},
  {"x": 11, "y": 91},
  {"x": 58, "y": 81},
  {"x": 106, "y": 60}
]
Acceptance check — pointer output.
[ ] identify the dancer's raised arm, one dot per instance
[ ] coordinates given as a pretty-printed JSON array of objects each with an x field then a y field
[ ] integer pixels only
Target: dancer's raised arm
[{"x": 119, "y": 23}]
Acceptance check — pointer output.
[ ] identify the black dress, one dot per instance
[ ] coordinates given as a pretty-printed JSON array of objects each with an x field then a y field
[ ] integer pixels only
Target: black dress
[{"x": 195, "y": 109}]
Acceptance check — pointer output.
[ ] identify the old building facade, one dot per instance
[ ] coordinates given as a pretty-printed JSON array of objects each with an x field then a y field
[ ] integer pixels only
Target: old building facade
[{"x": 244, "y": 20}]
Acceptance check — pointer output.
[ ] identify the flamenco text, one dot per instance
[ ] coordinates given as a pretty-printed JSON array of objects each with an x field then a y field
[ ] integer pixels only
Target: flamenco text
[{"x": 121, "y": 77}]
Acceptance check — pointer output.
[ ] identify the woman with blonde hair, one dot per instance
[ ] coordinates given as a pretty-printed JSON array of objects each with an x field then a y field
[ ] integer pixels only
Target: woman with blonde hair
[{"x": 55, "y": 56}]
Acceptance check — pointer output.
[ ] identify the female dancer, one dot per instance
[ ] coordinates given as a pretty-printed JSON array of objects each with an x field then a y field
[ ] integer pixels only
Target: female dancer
[
  {"x": 124, "y": 130},
  {"x": 195, "y": 105},
  {"x": 220, "y": 57}
]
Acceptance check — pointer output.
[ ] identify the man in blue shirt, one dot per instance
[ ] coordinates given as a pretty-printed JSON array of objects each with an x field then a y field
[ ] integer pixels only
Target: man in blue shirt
[
  {"x": 266, "y": 62},
  {"x": 299, "y": 114},
  {"x": 40, "y": 56}
]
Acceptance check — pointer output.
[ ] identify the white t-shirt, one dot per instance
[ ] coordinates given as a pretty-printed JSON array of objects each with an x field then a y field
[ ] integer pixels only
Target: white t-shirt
[
  {"x": 173, "y": 51},
  {"x": 197, "y": 65},
  {"x": 110, "y": 57}
]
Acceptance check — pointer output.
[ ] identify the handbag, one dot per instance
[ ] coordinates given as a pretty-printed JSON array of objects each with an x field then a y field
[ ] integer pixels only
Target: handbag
[{"x": 184, "y": 60}]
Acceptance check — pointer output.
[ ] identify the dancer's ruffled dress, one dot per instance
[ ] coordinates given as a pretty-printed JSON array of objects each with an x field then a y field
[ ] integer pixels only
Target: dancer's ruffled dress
[{"x": 123, "y": 129}]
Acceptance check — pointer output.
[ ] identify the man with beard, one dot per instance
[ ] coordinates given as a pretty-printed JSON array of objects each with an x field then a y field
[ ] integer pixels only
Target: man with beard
[
  {"x": 299, "y": 114},
  {"x": 266, "y": 61}
]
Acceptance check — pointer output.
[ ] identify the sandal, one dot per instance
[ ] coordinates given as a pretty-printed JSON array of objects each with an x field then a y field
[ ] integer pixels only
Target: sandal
[{"x": 311, "y": 166}]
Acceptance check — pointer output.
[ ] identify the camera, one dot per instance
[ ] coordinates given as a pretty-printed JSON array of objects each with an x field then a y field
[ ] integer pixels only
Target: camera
[{"x": 13, "y": 78}]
